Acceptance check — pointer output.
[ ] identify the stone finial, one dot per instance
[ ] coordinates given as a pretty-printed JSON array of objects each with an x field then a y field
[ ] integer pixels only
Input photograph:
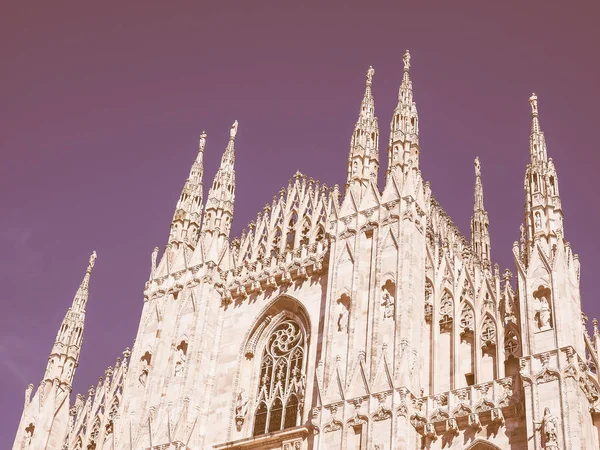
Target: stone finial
[
  {"x": 596, "y": 332},
  {"x": 406, "y": 60},
  {"x": 477, "y": 168},
  {"x": 202, "y": 141},
  {"x": 370, "y": 74}
]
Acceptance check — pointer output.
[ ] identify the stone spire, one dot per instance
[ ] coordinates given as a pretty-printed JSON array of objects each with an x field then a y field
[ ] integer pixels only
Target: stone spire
[
  {"x": 219, "y": 206},
  {"x": 64, "y": 357},
  {"x": 403, "y": 148},
  {"x": 185, "y": 226},
  {"x": 543, "y": 210},
  {"x": 480, "y": 233},
  {"x": 363, "y": 160}
]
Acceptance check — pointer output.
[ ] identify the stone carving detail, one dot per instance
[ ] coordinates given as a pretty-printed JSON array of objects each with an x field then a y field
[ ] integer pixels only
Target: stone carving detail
[
  {"x": 446, "y": 312},
  {"x": 180, "y": 359},
  {"x": 474, "y": 422},
  {"x": 334, "y": 423},
  {"x": 549, "y": 429},
  {"x": 488, "y": 333},
  {"x": 241, "y": 409},
  {"x": 145, "y": 362},
  {"x": 382, "y": 413},
  {"x": 388, "y": 299}
]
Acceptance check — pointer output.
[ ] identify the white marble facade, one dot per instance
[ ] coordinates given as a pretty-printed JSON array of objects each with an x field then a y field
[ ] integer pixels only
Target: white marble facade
[{"x": 342, "y": 319}]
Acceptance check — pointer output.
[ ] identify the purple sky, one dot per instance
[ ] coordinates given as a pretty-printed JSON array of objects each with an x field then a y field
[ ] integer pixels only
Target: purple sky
[{"x": 101, "y": 108}]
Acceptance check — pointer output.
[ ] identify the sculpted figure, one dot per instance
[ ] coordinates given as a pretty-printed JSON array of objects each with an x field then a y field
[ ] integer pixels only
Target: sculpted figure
[
  {"x": 180, "y": 364},
  {"x": 549, "y": 428},
  {"x": 241, "y": 405},
  {"x": 144, "y": 372},
  {"x": 27, "y": 439},
  {"x": 544, "y": 314},
  {"x": 233, "y": 131},
  {"x": 388, "y": 303},
  {"x": 343, "y": 319}
]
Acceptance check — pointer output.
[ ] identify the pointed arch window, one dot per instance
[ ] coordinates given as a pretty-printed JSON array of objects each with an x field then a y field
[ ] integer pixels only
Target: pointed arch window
[{"x": 282, "y": 379}]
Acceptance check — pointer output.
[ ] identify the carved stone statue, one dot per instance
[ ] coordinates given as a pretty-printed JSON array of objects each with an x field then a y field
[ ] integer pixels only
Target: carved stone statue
[
  {"x": 241, "y": 408},
  {"x": 388, "y": 303},
  {"x": 27, "y": 439},
  {"x": 180, "y": 364},
  {"x": 370, "y": 74},
  {"x": 342, "y": 322},
  {"x": 144, "y": 372},
  {"x": 544, "y": 313},
  {"x": 549, "y": 428},
  {"x": 233, "y": 131}
]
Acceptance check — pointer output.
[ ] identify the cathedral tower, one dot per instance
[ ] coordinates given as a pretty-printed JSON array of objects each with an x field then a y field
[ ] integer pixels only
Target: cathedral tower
[
  {"x": 45, "y": 418},
  {"x": 553, "y": 336}
]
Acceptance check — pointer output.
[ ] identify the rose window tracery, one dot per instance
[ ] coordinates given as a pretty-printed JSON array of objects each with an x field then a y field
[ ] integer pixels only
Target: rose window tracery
[{"x": 282, "y": 381}]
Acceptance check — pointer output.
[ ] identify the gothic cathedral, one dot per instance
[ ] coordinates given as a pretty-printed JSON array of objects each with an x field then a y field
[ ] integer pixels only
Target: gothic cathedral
[{"x": 358, "y": 319}]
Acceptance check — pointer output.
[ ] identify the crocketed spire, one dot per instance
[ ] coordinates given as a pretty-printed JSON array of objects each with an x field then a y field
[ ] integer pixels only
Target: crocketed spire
[
  {"x": 363, "y": 160},
  {"x": 185, "y": 225},
  {"x": 64, "y": 357},
  {"x": 543, "y": 210},
  {"x": 219, "y": 206},
  {"x": 480, "y": 234},
  {"x": 403, "y": 148}
]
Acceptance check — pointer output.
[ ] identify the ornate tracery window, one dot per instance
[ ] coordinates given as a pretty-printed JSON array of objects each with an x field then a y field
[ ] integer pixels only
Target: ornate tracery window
[{"x": 282, "y": 380}]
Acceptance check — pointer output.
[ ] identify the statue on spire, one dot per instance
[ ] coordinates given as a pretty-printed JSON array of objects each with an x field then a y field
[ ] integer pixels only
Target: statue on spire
[
  {"x": 534, "y": 104},
  {"x": 91, "y": 262},
  {"x": 202, "y": 141},
  {"x": 370, "y": 74},
  {"x": 233, "y": 131},
  {"x": 406, "y": 60},
  {"x": 477, "y": 168}
]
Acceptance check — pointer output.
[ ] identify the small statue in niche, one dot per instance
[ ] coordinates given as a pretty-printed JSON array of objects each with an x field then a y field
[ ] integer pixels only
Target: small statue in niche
[
  {"x": 343, "y": 317},
  {"x": 181, "y": 358},
  {"x": 549, "y": 427},
  {"x": 144, "y": 372},
  {"x": 28, "y": 436},
  {"x": 544, "y": 313},
  {"x": 241, "y": 409},
  {"x": 388, "y": 303}
]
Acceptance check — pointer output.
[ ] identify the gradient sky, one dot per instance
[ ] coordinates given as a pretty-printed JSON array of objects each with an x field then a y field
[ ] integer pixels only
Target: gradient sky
[{"x": 101, "y": 106}]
